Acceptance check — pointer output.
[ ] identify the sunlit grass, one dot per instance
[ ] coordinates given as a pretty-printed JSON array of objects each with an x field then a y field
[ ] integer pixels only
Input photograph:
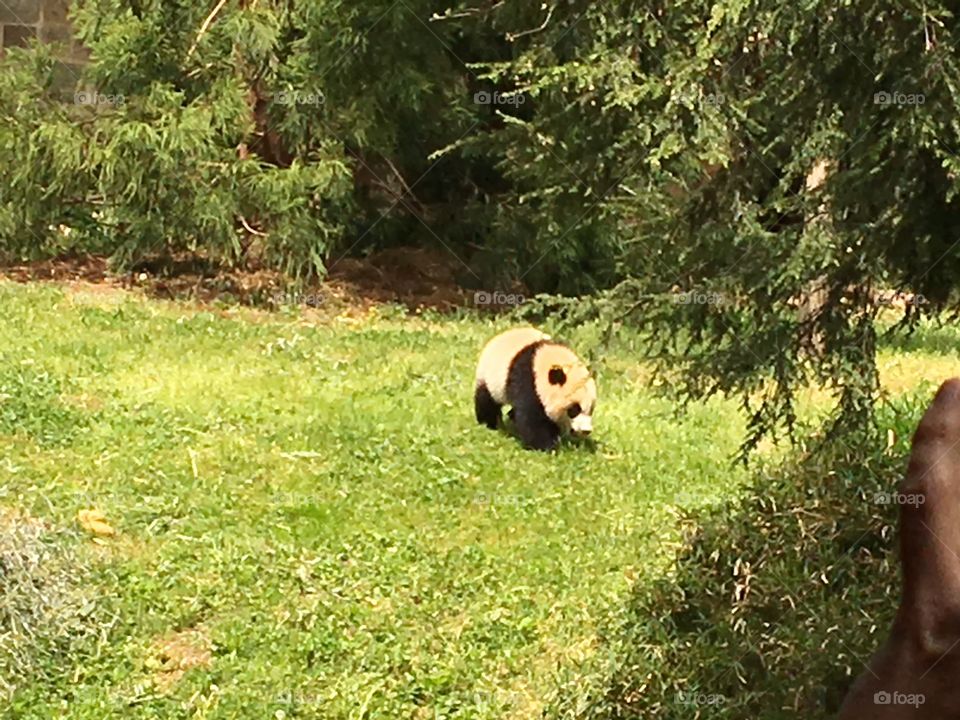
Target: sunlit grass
[{"x": 313, "y": 497}]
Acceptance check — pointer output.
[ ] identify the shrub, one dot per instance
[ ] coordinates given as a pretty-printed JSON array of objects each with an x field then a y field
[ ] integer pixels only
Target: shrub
[{"x": 158, "y": 172}]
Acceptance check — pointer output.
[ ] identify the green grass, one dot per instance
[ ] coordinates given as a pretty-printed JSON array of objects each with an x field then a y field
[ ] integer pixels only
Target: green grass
[
  {"x": 317, "y": 500},
  {"x": 313, "y": 503}
]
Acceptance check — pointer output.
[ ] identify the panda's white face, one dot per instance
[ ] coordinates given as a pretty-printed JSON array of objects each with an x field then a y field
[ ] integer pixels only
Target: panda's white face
[{"x": 566, "y": 388}]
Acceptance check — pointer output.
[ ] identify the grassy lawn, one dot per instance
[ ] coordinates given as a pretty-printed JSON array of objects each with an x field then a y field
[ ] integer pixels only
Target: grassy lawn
[{"x": 310, "y": 524}]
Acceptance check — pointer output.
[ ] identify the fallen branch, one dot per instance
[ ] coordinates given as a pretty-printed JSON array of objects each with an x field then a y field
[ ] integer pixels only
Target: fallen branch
[{"x": 252, "y": 231}]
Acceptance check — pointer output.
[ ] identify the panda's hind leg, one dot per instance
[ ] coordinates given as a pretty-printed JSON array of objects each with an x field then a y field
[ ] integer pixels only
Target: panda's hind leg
[{"x": 487, "y": 409}]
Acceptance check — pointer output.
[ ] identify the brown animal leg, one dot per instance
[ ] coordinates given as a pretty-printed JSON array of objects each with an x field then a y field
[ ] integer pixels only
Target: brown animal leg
[{"x": 916, "y": 674}]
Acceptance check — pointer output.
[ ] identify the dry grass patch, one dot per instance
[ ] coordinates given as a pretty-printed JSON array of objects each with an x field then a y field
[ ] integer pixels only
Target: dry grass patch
[
  {"x": 44, "y": 608},
  {"x": 176, "y": 653}
]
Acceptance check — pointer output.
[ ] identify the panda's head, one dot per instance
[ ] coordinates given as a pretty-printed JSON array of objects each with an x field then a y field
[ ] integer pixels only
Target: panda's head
[{"x": 566, "y": 388}]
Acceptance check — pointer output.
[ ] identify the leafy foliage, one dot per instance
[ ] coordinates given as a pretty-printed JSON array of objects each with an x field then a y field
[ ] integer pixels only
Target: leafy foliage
[
  {"x": 155, "y": 171},
  {"x": 767, "y": 170}
]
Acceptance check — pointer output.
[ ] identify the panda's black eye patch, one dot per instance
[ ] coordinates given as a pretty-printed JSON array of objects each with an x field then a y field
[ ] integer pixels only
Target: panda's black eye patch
[
  {"x": 573, "y": 410},
  {"x": 557, "y": 376}
]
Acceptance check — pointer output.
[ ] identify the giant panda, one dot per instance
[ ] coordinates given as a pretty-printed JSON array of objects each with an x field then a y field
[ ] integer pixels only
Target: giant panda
[{"x": 550, "y": 389}]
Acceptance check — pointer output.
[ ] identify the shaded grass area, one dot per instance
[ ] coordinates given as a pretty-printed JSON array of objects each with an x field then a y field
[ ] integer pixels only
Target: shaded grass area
[{"x": 315, "y": 502}]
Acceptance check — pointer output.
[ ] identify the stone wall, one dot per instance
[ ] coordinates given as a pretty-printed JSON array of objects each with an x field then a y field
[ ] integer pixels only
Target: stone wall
[{"x": 24, "y": 20}]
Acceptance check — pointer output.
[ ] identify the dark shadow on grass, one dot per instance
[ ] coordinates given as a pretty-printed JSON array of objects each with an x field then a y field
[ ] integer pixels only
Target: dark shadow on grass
[
  {"x": 580, "y": 444},
  {"x": 567, "y": 443}
]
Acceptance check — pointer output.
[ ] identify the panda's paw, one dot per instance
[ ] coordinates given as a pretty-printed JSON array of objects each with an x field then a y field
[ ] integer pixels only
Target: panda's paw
[{"x": 544, "y": 440}]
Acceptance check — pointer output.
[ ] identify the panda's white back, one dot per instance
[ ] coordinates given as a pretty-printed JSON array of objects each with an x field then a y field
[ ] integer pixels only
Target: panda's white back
[{"x": 494, "y": 364}]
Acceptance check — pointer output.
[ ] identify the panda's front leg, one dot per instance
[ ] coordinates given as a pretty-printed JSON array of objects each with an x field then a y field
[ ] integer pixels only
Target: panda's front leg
[{"x": 535, "y": 429}]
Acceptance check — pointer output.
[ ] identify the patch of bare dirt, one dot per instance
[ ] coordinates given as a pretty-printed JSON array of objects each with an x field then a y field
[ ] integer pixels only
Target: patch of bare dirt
[
  {"x": 174, "y": 654},
  {"x": 83, "y": 401},
  {"x": 92, "y": 269},
  {"x": 414, "y": 277}
]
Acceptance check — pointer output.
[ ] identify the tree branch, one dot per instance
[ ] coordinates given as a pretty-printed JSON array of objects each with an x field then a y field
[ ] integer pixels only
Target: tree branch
[
  {"x": 513, "y": 36},
  {"x": 205, "y": 26}
]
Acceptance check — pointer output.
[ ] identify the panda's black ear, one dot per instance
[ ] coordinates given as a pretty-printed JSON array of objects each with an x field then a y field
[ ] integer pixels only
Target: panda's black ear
[{"x": 556, "y": 376}]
